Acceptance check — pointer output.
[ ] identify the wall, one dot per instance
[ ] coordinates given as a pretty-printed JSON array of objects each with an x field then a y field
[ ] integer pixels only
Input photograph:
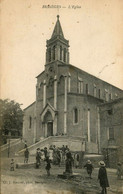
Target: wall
[
  {"x": 83, "y": 103},
  {"x": 60, "y": 108}
]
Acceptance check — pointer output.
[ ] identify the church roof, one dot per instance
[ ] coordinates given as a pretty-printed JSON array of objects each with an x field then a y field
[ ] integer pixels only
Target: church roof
[
  {"x": 30, "y": 105},
  {"x": 82, "y": 71},
  {"x": 58, "y": 29}
]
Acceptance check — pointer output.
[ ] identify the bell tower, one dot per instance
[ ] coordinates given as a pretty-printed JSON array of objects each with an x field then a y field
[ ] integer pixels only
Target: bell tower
[{"x": 57, "y": 46}]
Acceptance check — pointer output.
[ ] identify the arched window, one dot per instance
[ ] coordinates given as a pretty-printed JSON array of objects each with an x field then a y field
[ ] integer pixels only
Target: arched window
[
  {"x": 106, "y": 95},
  {"x": 69, "y": 82},
  {"x": 80, "y": 86},
  {"x": 87, "y": 90},
  {"x": 110, "y": 96},
  {"x": 60, "y": 52},
  {"x": 40, "y": 84},
  {"x": 64, "y": 54},
  {"x": 95, "y": 91},
  {"x": 99, "y": 93},
  {"x": 110, "y": 133},
  {"x": 30, "y": 122},
  {"x": 49, "y": 54},
  {"x": 54, "y": 56},
  {"x": 51, "y": 80},
  {"x": 75, "y": 115}
]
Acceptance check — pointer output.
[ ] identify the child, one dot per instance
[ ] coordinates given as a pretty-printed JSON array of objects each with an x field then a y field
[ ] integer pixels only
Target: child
[
  {"x": 48, "y": 165},
  {"x": 89, "y": 168},
  {"x": 12, "y": 165}
]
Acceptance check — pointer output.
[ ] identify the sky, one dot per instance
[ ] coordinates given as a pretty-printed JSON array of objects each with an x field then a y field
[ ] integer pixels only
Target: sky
[{"x": 94, "y": 30}]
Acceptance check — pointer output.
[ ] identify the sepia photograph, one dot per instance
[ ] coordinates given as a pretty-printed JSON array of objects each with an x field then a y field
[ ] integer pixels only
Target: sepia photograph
[{"x": 61, "y": 99}]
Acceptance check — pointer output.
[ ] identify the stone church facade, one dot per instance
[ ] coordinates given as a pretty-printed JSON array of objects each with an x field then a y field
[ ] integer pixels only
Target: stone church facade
[{"x": 67, "y": 98}]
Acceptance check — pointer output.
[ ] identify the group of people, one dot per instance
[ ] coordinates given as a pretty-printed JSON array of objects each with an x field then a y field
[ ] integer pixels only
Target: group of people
[
  {"x": 43, "y": 154},
  {"x": 70, "y": 161},
  {"x": 56, "y": 155}
]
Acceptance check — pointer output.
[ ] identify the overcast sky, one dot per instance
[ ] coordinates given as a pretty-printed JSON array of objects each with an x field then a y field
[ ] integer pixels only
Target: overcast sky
[{"x": 94, "y": 31}]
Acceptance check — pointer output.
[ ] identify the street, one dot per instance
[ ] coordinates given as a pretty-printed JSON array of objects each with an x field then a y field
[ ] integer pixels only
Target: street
[{"x": 33, "y": 180}]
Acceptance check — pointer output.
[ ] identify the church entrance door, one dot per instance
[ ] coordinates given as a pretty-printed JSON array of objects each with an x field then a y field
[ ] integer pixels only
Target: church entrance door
[{"x": 50, "y": 128}]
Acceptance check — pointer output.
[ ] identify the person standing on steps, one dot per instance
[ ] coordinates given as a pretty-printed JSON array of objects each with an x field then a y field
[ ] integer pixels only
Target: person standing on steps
[
  {"x": 102, "y": 177},
  {"x": 25, "y": 144}
]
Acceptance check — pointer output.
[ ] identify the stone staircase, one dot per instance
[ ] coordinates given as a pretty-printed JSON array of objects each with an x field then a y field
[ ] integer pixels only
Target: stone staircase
[
  {"x": 14, "y": 146},
  {"x": 74, "y": 143},
  {"x": 12, "y": 143}
]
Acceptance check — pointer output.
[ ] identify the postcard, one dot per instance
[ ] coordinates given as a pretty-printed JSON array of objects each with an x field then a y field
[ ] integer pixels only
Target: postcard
[{"x": 61, "y": 103}]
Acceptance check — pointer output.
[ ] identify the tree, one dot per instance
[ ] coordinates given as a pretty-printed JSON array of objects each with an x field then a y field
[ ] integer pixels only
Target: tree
[{"x": 11, "y": 118}]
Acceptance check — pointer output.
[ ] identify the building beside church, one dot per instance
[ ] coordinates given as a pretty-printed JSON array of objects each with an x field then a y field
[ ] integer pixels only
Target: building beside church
[
  {"x": 111, "y": 131},
  {"x": 68, "y": 99}
]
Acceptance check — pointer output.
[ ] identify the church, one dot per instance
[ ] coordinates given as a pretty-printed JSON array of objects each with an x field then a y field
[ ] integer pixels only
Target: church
[{"x": 68, "y": 99}]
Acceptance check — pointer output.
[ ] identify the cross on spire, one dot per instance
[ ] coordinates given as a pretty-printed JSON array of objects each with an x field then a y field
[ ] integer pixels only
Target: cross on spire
[{"x": 58, "y": 29}]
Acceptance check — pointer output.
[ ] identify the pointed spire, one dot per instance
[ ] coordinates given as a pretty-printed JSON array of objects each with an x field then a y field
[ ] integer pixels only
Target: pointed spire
[{"x": 57, "y": 30}]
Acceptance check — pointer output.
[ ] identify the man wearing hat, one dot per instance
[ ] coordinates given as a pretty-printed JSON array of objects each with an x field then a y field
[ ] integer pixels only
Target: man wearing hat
[
  {"x": 102, "y": 176},
  {"x": 89, "y": 168}
]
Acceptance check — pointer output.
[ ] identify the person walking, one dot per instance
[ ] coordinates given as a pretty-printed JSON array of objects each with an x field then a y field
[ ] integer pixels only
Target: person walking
[
  {"x": 102, "y": 177},
  {"x": 89, "y": 167},
  {"x": 48, "y": 165},
  {"x": 26, "y": 154}
]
